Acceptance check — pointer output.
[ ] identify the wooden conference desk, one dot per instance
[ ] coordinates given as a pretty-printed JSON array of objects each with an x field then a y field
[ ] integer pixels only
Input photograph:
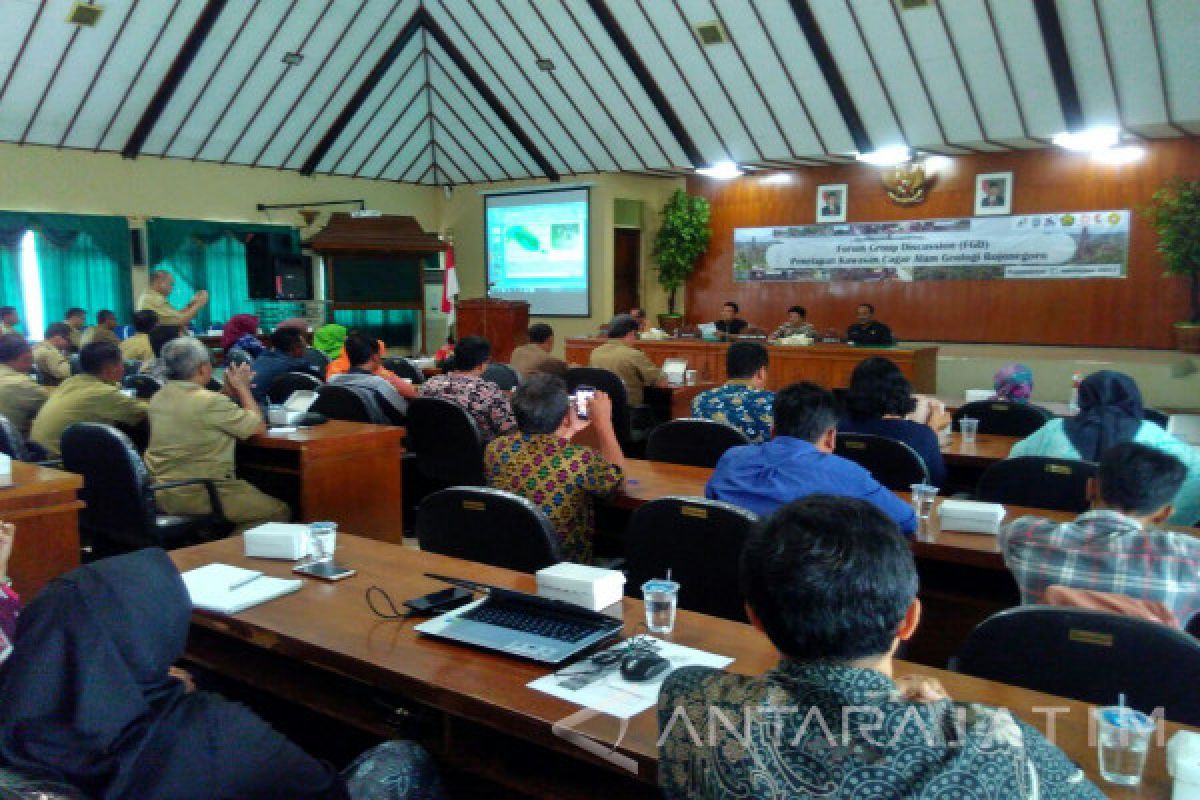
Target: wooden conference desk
[
  {"x": 987, "y": 450},
  {"x": 676, "y": 401},
  {"x": 321, "y": 648},
  {"x": 827, "y": 364},
  {"x": 44, "y": 505},
  {"x": 348, "y": 472}
]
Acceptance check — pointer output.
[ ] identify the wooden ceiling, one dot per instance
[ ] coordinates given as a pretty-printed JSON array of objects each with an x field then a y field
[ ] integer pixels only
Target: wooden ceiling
[{"x": 444, "y": 92}]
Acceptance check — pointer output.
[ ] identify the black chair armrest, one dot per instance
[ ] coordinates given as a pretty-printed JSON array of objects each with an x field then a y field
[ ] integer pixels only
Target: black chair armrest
[
  {"x": 54, "y": 463},
  {"x": 214, "y": 499}
]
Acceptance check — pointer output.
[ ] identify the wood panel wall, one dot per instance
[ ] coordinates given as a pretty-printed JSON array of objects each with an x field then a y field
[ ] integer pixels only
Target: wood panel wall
[{"x": 1136, "y": 311}]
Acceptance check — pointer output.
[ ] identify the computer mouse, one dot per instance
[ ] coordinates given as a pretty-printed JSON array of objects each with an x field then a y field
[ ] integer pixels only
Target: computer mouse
[{"x": 641, "y": 667}]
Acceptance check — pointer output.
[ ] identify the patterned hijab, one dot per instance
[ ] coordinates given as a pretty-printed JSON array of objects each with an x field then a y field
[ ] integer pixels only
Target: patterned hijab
[
  {"x": 239, "y": 325},
  {"x": 1013, "y": 383},
  {"x": 1110, "y": 412},
  {"x": 329, "y": 339}
]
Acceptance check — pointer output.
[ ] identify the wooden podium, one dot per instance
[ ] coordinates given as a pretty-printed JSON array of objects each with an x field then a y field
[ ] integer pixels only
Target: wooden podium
[{"x": 504, "y": 323}]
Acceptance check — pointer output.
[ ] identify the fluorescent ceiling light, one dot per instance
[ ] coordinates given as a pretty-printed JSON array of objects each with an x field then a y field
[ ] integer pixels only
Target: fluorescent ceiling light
[
  {"x": 722, "y": 170},
  {"x": 778, "y": 177},
  {"x": 1120, "y": 155},
  {"x": 937, "y": 164},
  {"x": 886, "y": 156},
  {"x": 1100, "y": 137}
]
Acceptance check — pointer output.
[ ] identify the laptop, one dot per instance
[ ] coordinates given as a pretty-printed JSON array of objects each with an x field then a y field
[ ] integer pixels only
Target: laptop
[
  {"x": 675, "y": 369},
  {"x": 520, "y": 624}
]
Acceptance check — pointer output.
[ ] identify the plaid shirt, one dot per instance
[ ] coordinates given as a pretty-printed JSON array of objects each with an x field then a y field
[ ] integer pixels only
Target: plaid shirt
[{"x": 1108, "y": 552}]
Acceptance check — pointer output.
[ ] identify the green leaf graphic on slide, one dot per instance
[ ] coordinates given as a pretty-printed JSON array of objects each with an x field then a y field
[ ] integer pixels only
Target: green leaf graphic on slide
[{"x": 524, "y": 238}]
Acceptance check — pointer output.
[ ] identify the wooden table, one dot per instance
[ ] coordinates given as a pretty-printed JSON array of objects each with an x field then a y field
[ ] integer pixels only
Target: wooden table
[
  {"x": 321, "y": 648},
  {"x": 348, "y": 472},
  {"x": 675, "y": 402},
  {"x": 44, "y": 505},
  {"x": 987, "y": 450},
  {"x": 827, "y": 364}
]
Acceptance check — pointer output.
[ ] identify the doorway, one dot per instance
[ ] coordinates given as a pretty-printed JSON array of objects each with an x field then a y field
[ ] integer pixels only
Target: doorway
[{"x": 627, "y": 269}]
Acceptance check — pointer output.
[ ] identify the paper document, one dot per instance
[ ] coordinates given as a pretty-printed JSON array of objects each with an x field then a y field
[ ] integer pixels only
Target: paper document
[
  {"x": 603, "y": 689},
  {"x": 228, "y": 590}
]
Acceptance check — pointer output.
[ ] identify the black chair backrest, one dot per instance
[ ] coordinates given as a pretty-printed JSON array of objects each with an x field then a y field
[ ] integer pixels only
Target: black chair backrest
[
  {"x": 488, "y": 526},
  {"x": 502, "y": 375},
  {"x": 132, "y": 367},
  {"x": 1088, "y": 655},
  {"x": 282, "y": 387},
  {"x": 76, "y": 366},
  {"x": 12, "y": 443},
  {"x": 404, "y": 369},
  {"x": 611, "y": 384},
  {"x": 338, "y": 402},
  {"x": 1003, "y": 418},
  {"x": 1157, "y": 417},
  {"x": 700, "y": 542},
  {"x": 1037, "y": 481},
  {"x": 446, "y": 441},
  {"x": 691, "y": 441},
  {"x": 236, "y": 355},
  {"x": 894, "y": 464},
  {"x": 118, "y": 506},
  {"x": 144, "y": 386}
]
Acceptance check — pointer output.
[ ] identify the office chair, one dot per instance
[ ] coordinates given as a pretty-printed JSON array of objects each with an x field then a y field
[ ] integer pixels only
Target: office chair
[
  {"x": 446, "y": 441},
  {"x": 405, "y": 369},
  {"x": 692, "y": 441},
  {"x": 73, "y": 360},
  {"x": 13, "y": 445},
  {"x": 894, "y": 464},
  {"x": 120, "y": 512},
  {"x": 1039, "y": 482},
  {"x": 632, "y": 439},
  {"x": 144, "y": 386},
  {"x": 1157, "y": 417},
  {"x": 502, "y": 375},
  {"x": 338, "y": 402},
  {"x": 282, "y": 387},
  {"x": 1090, "y": 656},
  {"x": 1003, "y": 418},
  {"x": 487, "y": 526},
  {"x": 700, "y": 541}
]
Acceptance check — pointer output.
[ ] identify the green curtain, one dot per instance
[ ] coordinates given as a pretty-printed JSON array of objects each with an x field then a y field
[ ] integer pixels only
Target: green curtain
[
  {"x": 77, "y": 271},
  {"x": 10, "y": 274},
  {"x": 109, "y": 234},
  {"x": 397, "y": 327}
]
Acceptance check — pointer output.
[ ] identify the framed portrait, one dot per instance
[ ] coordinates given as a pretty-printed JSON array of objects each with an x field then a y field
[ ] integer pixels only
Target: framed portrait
[
  {"x": 831, "y": 202},
  {"x": 993, "y": 193}
]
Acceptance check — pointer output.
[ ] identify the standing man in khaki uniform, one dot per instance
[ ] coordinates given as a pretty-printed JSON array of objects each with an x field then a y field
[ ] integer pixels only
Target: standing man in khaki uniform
[
  {"x": 619, "y": 355},
  {"x": 20, "y": 397},
  {"x": 158, "y": 289},
  {"x": 76, "y": 321},
  {"x": 94, "y": 395},
  {"x": 193, "y": 432},
  {"x": 103, "y": 330},
  {"x": 50, "y": 356},
  {"x": 138, "y": 347}
]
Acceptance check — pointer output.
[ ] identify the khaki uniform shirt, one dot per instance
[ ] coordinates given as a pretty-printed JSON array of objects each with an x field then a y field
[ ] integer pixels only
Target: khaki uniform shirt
[
  {"x": 137, "y": 348},
  {"x": 634, "y": 368},
  {"x": 6, "y": 329},
  {"x": 152, "y": 300},
  {"x": 51, "y": 364},
  {"x": 529, "y": 358},
  {"x": 84, "y": 398},
  {"x": 20, "y": 398},
  {"x": 193, "y": 432},
  {"x": 98, "y": 333}
]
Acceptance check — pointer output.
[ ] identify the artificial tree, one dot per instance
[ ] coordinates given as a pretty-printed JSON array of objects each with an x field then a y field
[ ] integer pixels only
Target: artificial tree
[
  {"x": 682, "y": 238},
  {"x": 1174, "y": 212}
]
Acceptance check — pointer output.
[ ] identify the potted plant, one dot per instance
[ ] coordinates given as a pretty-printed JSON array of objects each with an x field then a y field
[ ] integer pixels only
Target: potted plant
[
  {"x": 1174, "y": 211},
  {"x": 681, "y": 240}
]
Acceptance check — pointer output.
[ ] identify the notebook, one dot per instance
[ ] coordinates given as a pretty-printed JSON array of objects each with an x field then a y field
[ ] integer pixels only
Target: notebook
[{"x": 227, "y": 589}]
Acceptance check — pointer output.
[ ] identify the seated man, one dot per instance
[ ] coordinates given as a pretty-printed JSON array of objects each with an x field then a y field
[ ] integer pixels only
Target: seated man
[
  {"x": 102, "y": 331},
  {"x": 743, "y": 402},
  {"x": 94, "y": 395},
  {"x": 50, "y": 355},
  {"x": 639, "y": 315},
  {"x": 730, "y": 323},
  {"x": 631, "y": 365},
  {"x": 535, "y": 356},
  {"x": 159, "y": 336},
  {"x": 317, "y": 361},
  {"x": 464, "y": 386},
  {"x": 835, "y": 590},
  {"x": 20, "y": 397},
  {"x": 137, "y": 347},
  {"x": 76, "y": 319},
  {"x": 364, "y": 360},
  {"x": 286, "y": 355},
  {"x": 193, "y": 432},
  {"x": 868, "y": 330},
  {"x": 797, "y": 324},
  {"x": 1114, "y": 547},
  {"x": 542, "y": 464},
  {"x": 342, "y": 364},
  {"x": 799, "y": 461},
  {"x": 9, "y": 320}
]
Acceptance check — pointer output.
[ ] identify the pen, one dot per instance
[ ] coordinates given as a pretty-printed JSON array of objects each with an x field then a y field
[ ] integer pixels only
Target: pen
[{"x": 244, "y": 581}]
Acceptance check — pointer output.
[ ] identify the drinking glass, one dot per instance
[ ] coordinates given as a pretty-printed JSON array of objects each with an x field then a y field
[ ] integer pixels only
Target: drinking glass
[
  {"x": 322, "y": 539},
  {"x": 923, "y": 496},
  {"x": 1123, "y": 737},
  {"x": 969, "y": 428},
  {"x": 660, "y": 598}
]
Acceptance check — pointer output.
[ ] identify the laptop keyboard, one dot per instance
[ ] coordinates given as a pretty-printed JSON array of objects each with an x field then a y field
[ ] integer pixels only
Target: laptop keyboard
[{"x": 536, "y": 624}]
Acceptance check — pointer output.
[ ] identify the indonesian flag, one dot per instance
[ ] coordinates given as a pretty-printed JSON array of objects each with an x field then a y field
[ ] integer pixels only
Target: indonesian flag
[{"x": 449, "y": 284}]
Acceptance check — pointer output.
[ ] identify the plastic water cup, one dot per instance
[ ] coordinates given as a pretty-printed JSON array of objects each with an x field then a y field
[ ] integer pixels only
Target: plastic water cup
[
  {"x": 923, "y": 497},
  {"x": 322, "y": 540},
  {"x": 969, "y": 428},
  {"x": 661, "y": 598},
  {"x": 690, "y": 377},
  {"x": 1122, "y": 739}
]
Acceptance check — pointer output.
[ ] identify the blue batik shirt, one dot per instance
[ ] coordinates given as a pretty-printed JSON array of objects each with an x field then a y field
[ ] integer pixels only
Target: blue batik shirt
[{"x": 738, "y": 405}]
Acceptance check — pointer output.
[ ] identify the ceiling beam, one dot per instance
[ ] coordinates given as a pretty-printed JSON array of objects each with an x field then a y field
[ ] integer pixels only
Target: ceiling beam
[
  {"x": 1055, "y": 42},
  {"x": 833, "y": 76},
  {"x": 179, "y": 67}
]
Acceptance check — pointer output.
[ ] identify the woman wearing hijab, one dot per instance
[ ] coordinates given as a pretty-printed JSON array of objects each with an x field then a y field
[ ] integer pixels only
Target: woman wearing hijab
[
  {"x": 1013, "y": 383},
  {"x": 87, "y": 699},
  {"x": 329, "y": 339},
  {"x": 241, "y": 333},
  {"x": 1110, "y": 412}
]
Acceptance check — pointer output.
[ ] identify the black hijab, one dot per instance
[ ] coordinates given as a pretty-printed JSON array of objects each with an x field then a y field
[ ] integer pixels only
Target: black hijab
[{"x": 1110, "y": 412}]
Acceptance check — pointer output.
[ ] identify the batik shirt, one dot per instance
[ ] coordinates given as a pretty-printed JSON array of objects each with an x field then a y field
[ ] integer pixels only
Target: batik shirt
[
  {"x": 557, "y": 476},
  {"x": 751, "y": 411},
  {"x": 483, "y": 400},
  {"x": 831, "y": 731}
]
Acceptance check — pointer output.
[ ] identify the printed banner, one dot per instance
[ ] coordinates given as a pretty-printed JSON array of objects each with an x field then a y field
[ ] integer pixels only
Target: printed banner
[{"x": 1073, "y": 244}]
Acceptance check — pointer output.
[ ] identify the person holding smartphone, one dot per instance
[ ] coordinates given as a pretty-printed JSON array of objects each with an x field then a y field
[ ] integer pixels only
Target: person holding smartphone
[
  {"x": 10, "y": 603},
  {"x": 544, "y": 463}
]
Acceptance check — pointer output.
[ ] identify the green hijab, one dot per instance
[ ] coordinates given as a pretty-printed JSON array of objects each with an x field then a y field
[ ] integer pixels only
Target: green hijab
[{"x": 329, "y": 338}]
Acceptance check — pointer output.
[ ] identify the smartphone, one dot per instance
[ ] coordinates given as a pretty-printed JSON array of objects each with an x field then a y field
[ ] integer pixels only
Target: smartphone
[
  {"x": 437, "y": 602},
  {"x": 583, "y": 396},
  {"x": 325, "y": 570}
]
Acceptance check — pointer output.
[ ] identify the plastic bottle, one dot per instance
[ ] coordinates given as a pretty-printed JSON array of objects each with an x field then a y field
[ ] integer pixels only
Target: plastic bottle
[{"x": 1073, "y": 402}]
